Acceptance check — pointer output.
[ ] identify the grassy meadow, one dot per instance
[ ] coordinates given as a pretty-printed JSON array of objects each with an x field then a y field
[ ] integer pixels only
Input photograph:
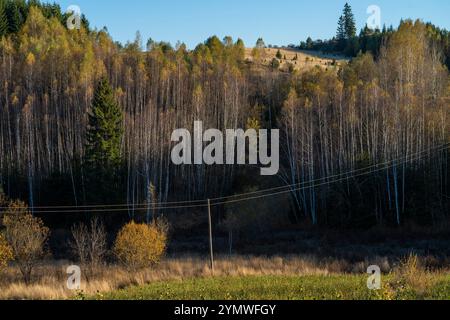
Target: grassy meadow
[
  {"x": 298, "y": 59},
  {"x": 238, "y": 277},
  {"x": 332, "y": 287}
]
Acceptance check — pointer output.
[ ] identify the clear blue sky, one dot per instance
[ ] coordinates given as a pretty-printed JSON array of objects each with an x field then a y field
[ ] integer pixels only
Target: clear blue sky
[{"x": 278, "y": 22}]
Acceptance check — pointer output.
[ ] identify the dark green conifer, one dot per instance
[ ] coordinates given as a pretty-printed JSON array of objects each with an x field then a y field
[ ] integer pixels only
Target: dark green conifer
[
  {"x": 3, "y": 19},
  {"x": 105, "y": 130}
]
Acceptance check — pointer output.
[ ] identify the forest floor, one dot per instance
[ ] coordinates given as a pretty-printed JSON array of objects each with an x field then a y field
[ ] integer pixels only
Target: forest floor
[{"x": 235, "y": 277}]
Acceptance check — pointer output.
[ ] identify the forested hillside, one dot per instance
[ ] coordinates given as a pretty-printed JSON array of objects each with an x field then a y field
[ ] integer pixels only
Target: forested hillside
[
  {"x": 388, "y": 110},
  {"x": 348, "y": 41}
]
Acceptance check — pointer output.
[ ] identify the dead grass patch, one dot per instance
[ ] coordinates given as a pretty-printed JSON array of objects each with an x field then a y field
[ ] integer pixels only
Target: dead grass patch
[{"x": 51, "y": 277}]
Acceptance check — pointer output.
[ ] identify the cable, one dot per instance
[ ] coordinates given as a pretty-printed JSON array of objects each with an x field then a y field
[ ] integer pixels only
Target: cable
[
  {"x": 162, "y": 206},
  {"x": 312, "y": 184},
  {"x": 121, "y": 210},
  {"x": 329, "y": 177},
  {"x": 108, "y": 205},
  {"x": 188, "y": 203},
  {"x": 304, "y": 188}
]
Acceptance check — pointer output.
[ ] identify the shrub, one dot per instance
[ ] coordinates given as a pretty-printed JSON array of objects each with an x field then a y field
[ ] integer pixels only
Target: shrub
[
  {"x": 290, "y": 67},
  {"x": 411, "y": 280},
  {"x": 275, "y": 64},
  {"x": 6, "y": 253},
  {"x": 279, "y": 55},
  {"x": 89, "y": 244},
  {"x": 140, "y": 245},
  {"x": 27, "y": 237}
]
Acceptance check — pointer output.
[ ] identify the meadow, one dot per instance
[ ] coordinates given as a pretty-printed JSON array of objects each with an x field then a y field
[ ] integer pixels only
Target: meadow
[
  {"x": 238, "y": 277},
  {"x": 331, "y": 287},
  {"x": 299, "y": 60}
]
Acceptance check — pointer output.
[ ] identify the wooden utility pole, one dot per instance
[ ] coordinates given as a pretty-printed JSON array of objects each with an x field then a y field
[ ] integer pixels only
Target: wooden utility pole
[{"x": 211, "y": 251}]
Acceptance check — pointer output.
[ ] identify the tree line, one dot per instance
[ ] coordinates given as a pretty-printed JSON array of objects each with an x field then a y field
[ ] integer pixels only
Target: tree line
[
  {"x": 348, "y": 42},
  {"x": 14, "y": 13},
  {"x": 87, "y": 121}
]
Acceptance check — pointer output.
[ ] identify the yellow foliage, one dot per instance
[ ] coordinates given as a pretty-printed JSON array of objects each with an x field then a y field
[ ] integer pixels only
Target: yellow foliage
[
  {"x": 6, "y": 253},
  {"x": 140, "y": 245},
  {"x": 30, "y": 59},
  {"x": 27, "y": 236},
  {"x": 292, "y": 101},
  {"x": 253, "y": 123}
]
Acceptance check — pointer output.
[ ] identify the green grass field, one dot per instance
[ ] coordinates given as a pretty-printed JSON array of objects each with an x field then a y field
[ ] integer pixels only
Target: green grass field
[{"x": 344, "y": 287}]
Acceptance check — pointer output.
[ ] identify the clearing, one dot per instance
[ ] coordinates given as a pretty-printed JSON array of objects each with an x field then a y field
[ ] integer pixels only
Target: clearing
[{"x": 299, "y": 59}]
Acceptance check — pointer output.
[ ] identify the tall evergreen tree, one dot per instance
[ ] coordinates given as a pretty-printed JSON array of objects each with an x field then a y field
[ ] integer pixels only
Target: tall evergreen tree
[
  {"x": 349, "y": 20},
  {"x": 340, "y": 34},
  {"x": 103, "y": 159},
  {"x": 3, "y": 19},
  {"x": 14, "y": 15},
  {"x": 346, "y": 31},
  {"x": 105, "y": 130}
]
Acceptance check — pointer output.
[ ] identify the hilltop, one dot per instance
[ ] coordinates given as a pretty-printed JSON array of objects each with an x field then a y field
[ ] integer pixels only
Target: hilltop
[{"x": 298, "y": 59}]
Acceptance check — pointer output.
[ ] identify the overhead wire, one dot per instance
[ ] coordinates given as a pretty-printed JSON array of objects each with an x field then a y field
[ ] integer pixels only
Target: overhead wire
[{"x": 244, "y": 196}]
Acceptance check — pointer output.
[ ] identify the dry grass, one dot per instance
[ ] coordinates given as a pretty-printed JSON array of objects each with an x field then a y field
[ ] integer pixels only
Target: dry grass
[
  {"x": 411, "y": 276},
  {"x": 51, "y": 284},
  {"x": 305, "y": 59}
]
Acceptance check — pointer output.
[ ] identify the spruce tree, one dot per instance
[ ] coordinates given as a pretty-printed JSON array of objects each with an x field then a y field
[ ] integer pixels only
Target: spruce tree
[
  {"x": 14, "y": 17},
  {"x": 103, "y": 159},
  {"x": 346, "y": 30},
  {"x": 104, "y": 133},
  {"x": 3, "y": 19},
  {"x": 350, "y": 24},
  {"x": 340, "y": 34}
]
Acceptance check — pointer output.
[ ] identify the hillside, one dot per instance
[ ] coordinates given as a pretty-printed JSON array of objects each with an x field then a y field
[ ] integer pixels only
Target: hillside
[{"x": 299, "y": 59}]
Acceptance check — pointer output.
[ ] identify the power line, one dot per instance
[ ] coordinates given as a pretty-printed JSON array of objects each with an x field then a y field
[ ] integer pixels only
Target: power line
[
  {"x": 172, "y": 205},
  {"x": 305, "y": 185},
  {"x": 313, "y": 185},
  {"x": 202, "y": 203},
  {"x": 406, "y": 159},
  {"x": 126, "y": 206}
]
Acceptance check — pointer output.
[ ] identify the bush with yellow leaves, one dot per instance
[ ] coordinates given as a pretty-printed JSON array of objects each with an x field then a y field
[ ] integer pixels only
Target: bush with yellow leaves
[
  {"x": 27, "y": 236},
  {"x": 140, "y": 245},
  {"x": 6, "y": 253}
]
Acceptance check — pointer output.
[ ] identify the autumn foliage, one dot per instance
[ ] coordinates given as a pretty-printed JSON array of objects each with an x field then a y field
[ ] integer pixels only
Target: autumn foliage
[
  {"x": 6, "y": 253},
  {"x": 140, "y": 245},
  {"x": 27, "y": 236}
]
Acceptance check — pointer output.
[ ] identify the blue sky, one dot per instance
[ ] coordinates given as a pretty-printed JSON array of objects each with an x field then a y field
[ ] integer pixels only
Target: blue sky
[{"x": 278, "y": 22}]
